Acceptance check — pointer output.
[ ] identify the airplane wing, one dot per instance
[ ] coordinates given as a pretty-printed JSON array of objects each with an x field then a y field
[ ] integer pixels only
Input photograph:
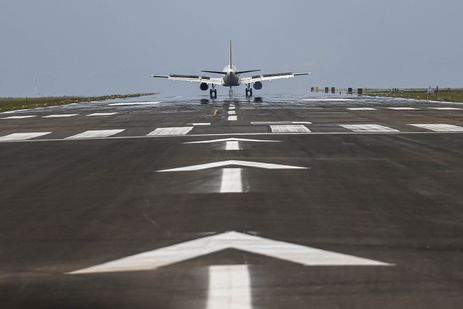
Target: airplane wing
[
  {"x": 192, "y": 78},
  {"x": 273, "y": 76}
]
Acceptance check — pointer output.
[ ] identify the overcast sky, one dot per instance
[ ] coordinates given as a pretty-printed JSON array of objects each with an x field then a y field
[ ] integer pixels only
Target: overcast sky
[{"x": 90, "y": 47}]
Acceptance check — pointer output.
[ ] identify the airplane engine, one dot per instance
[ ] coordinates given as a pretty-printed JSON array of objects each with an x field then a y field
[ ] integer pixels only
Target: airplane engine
[
  {"x": 257, "y": 85},
  {"x": 203, "y": 86}
]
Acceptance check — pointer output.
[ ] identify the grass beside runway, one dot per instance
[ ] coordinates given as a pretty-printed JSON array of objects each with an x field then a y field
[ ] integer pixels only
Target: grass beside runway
[
  {"x": 447, "y": 94},
  {"x": 7, "y": 104}
]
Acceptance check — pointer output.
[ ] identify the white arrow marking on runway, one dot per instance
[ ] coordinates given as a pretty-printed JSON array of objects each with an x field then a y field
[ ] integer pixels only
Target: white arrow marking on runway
[
  {"x": 229, "y": 287},
  {"x": 233, "y": 162},
  {"x": 231, "y": 181},
  {"x": 299, "y": 254},
  {"x": 232, "y": 146},
  {"x": 233, "y": 140}
]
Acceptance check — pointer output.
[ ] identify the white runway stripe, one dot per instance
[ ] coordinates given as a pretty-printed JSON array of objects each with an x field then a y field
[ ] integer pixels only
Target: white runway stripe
[
  {"x": 368, "y": 128},
  {"x": 259, "y": 123},
  {"x": 232, "y": 118},
  {"x": 20, "y": 117},
  {"x": 22, "y": 136},
  {"x": 199, "y": 124},
  {"x": 232, "y": 107},
  {"x": 229, "y": 287},
  {"x": 402, "y": 108},
  {"x": 60, "y": 116},
  {"x": 133, "y": 103},
  {"x": 171, "y": 131},
  {"x": 101, "y": 114},
  {"x": 289, "y": 128},
  {"x": 231, "y": 112},
  {"x": 231, "y": 181},
  {"x": 446, "y": 108},
  {"x": 362, "y": 109},
  {"x": 96, "y": 134},
  {"x": 439, "y": 127},
  {"x": 232, "y": 145}
]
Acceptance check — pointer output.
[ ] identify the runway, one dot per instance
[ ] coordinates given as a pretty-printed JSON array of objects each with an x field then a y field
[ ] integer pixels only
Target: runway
[{"x": 308, "y": 202}]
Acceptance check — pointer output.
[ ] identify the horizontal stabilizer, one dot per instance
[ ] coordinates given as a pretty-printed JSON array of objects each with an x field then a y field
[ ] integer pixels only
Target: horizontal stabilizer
[
  {"x": 247, "y": 71},
  {"x": 215, "y": 72}
]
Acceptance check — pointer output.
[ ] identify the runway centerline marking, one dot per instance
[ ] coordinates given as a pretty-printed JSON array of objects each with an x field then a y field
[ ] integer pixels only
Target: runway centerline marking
[
  {"x": 96, "y": 134},
  {"x": 231, "y": 112},
  {"x": 439, "y": 127},
  {"x": 299, "y": 254},
  {"x": 289, "y": 128},
  {"x": 229, "y": 287},
  {"x": 20, "y": 117},
  {"x": 232, "y": 118},
  {"x": 60, "y": 116},
  {"x": 170, "y": 131},
  {"x": 234, "y": 139},
  {"x": 204, "y": 166},
  {"x": 368, "y": 128},
  {"x": 231, "y": 181},
  {"x": 22, "y": 136},
  {"x": 232, "y": 146},
  {"x": 101, "y": 114}
]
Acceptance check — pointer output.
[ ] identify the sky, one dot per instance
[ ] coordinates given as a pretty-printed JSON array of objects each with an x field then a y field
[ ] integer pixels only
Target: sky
[{"x": 96, "y": 47}]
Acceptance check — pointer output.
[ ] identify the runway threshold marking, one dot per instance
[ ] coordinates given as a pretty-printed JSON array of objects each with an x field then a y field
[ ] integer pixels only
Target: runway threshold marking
[
  {"x": 96, "y": 134},
  {"x": 299, "y": 254},
  {"x": 289, "y": 129},
  {"x": 439, "y": 127},
  {"x": 229, "y": 287},
  {"x": 368, "y": 128},
  {"x": 174, "y": 131},
  {"x": 22, "y": 136},
  {"x": 101, "y": 114},
  {"x": 234, "y": 139},
  {"x": 231, "y": 181},
  {"x": 60, "y": 116},
  {"x": 20, "y": 117},
  {"x": 199, "y": 167}
]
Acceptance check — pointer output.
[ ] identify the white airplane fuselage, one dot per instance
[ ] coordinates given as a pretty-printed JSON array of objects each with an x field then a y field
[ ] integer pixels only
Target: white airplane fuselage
[{"x": 231, "y": 79}]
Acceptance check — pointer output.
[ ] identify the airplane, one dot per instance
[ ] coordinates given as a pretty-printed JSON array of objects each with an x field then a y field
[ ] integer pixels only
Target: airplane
[{"x": 231, "y": 78}]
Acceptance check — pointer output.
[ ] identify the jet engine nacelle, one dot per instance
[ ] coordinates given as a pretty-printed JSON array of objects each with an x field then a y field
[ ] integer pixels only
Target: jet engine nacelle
[
  {"x": 257, "y": 85},
  {"x": 203, "y": 86}
]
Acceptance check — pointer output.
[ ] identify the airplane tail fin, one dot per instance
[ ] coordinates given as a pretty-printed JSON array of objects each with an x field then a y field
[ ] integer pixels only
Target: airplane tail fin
[{"x": 230, "y": 56}]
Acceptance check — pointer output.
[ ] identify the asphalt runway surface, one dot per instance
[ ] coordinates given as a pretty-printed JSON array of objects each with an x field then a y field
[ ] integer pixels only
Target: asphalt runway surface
[{"x": 315, "y": 202}]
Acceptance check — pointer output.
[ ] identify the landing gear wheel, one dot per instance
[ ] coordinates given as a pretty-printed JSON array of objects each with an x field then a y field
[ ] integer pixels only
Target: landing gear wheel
[
  {"x": 248, "y": 92},
  {"x": 213, "y": 93}
]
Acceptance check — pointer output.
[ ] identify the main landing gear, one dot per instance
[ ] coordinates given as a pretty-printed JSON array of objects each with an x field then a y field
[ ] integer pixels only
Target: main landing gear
[
  {"x": 213, "y": 92},
  {"x": 248, "y": 91}
]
